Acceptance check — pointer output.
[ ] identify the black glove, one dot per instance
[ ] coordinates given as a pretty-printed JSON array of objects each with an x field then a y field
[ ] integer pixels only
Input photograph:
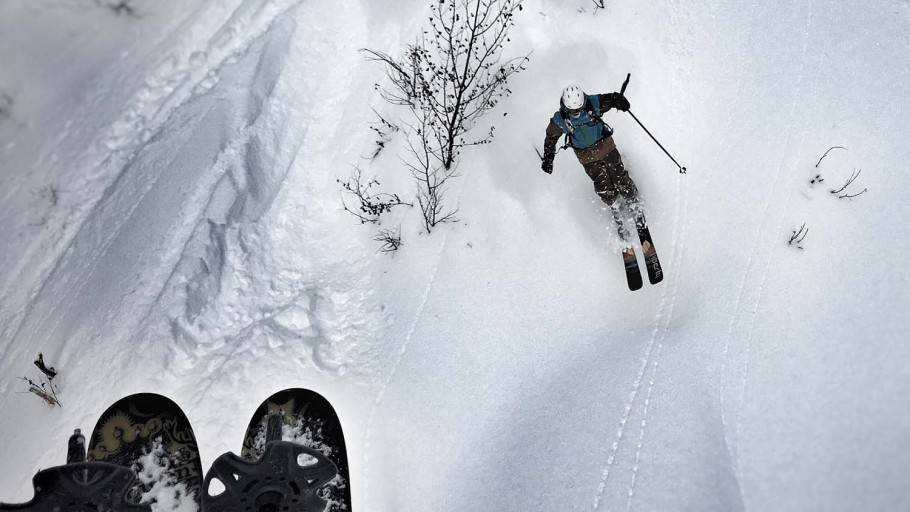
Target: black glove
[
  {"x": 619, "y": 101},
  {"x": 547, "y": 165}
]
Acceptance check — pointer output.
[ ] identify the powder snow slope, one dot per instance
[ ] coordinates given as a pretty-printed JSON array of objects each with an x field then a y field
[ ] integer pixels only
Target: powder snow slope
[{"x": 170, "y": 221}]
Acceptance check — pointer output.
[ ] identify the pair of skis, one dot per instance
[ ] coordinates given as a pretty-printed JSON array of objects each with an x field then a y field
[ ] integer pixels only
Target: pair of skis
[
  {"x": 652, "y": 262},
  {"x": 143, "y": 450}
]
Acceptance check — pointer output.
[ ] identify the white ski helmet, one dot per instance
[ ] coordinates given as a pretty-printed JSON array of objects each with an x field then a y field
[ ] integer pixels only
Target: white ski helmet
[{"x": 573, "y": 98}]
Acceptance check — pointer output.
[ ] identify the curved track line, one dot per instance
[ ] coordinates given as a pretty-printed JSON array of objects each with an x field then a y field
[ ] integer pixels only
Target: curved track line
[
  {"x": 368, "y": 436},
  {"x": 660, "y": 334},
  {"x": 644, "y": 421},
  {"x": 767, "y": 263},
  {"x": 667, "y": 305},
  {"x": 732, "y": 452}
]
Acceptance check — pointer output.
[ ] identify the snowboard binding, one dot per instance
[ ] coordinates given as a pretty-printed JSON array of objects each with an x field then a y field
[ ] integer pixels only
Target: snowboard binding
[
  {"x": 149, "y": 430},
  {"x": 80, "y": 486},
  {"x": 286, "y": 477}
]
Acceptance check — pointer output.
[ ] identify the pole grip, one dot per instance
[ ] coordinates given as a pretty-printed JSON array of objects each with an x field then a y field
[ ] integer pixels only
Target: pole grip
[{"x": 624, "y": 84}]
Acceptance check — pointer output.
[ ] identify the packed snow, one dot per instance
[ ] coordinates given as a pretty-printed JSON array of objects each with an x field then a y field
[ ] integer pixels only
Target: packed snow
[{"x": 171, "y": 221}]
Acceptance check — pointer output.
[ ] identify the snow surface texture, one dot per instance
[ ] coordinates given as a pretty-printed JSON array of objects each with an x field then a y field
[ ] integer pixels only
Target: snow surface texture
[{"x": 170, "y": 222}]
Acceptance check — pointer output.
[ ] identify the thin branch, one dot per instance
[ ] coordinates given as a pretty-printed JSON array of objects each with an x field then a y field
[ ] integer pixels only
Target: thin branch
[
  {"x": 798, "y": 236},
  {"x": 849, "y": 181},
  {"x": 851, "y": 196},
  {"x": 826, "y": 154}
]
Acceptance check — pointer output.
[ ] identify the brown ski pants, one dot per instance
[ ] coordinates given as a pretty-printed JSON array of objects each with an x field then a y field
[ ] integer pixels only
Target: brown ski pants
[{"x": 603, "y": 165}]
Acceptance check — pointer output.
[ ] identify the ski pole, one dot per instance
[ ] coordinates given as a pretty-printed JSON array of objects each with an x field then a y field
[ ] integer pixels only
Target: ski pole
[{"x": 682, "y": 170}]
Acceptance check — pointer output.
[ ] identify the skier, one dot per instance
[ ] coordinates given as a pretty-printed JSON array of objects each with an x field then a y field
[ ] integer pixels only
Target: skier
[{"x": 579, "y": 119}]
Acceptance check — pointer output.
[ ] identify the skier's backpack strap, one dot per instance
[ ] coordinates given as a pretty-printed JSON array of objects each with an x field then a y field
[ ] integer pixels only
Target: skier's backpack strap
[
  {"x": 597, "y": 115},
  {"x": 567, "y": 141}
]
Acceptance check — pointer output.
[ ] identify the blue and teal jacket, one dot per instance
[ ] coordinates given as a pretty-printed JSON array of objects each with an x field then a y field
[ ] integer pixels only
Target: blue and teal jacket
[{"x": 585, "y": 130}]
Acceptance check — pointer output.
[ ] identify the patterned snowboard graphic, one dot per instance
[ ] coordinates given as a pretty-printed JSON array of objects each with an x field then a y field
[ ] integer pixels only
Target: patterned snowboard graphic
[
  {"x": 150, "y": 434},
  {"x": 309, "y": 420}
]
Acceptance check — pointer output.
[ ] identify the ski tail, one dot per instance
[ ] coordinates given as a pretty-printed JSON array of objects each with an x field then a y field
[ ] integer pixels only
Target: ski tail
[
  {"x": 652, "y": 262},
  {"x": 633, "y": 274}
]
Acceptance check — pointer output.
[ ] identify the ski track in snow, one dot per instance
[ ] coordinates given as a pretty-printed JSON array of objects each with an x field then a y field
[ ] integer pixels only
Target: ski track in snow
[
  {"x": 731, "y": 447},
  {"x": 680, "y": 231},
  {"x": 644, "y": 422},
  {"x": 368, "y": 436},
  {"x": 627, "y": 412},
  {"x": 759, "y": 287},
  {"x": 658, "y": 335}
]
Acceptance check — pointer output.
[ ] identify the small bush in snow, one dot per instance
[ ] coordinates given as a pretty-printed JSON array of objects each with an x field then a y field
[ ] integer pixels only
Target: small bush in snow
[
  {"x": 371, "y": 206},
  {"x": 841, "y": 192},
  {"x": 798, "y": 235},
  {"x": 449, "y": 78},
  {"x": 390, "y": 239}
]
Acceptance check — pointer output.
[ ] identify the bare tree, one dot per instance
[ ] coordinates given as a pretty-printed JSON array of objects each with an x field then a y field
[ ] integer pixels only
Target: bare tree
[{"x": 450, "y": 78}]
